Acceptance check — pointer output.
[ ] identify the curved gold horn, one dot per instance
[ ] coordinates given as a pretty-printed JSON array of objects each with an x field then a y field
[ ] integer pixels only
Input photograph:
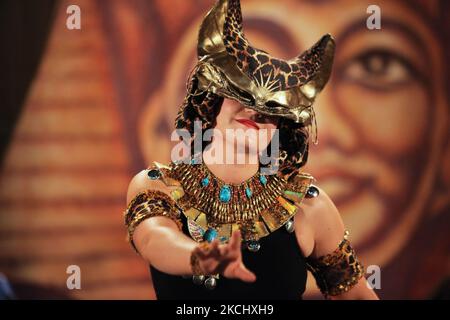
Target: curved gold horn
[
  {"x": 315, "y": 66},
  {"x": 210, "y": 37}
]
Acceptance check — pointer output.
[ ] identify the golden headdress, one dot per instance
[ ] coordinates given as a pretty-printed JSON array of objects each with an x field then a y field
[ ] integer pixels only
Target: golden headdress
[{"x": 229, "y": 67}]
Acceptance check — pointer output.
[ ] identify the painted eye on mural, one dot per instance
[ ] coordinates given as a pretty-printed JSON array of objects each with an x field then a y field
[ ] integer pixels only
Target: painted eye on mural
[{"x": 378, "y": 69}]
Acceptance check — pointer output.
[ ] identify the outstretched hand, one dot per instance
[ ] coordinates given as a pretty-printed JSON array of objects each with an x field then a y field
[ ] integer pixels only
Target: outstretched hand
[{"x": 225, "y": 259}]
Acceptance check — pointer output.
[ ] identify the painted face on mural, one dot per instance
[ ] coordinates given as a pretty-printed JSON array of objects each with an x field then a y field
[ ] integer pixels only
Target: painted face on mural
[
  {"x": 377, "y": 123},
  {"x": 380, "y": 119}
]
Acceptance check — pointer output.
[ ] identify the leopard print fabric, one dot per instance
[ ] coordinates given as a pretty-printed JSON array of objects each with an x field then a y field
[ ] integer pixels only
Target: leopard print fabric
[
  {"x": 146, "y": 204},
  {"x": 198, "y": 106},
  {"x": 268, "y": 72},
  {"x": 294, "y": 148},
  {"x": 336, "y": 272}
]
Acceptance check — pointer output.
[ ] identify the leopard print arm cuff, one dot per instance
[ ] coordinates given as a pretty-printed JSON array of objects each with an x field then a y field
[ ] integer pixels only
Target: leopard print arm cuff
[
  {"x": 337, "y": 272},
  {"x": 147, "y": 204}
]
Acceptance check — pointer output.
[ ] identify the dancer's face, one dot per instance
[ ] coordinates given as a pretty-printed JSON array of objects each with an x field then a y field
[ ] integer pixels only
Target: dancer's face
[{"x": 257, "y": 128}]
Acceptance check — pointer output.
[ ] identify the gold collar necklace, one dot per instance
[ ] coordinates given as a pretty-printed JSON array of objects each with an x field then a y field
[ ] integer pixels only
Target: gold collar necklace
[{"x": 227, "y": 202}]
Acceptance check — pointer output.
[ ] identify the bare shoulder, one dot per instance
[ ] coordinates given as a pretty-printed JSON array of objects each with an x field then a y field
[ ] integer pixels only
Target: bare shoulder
[
  {"x": 324, "y": 219},
  {"x": 321, "y": 208},
  {"x": 141, "y": 182}
]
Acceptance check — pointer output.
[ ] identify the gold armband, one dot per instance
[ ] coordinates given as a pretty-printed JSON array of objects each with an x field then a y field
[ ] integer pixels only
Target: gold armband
[
  {"x": 337, "y": 272},
  {"x": 147, "y": 204}
]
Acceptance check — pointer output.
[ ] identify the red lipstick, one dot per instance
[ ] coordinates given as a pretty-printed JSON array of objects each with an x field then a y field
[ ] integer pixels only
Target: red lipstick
[{"x": 248, "y": 123}]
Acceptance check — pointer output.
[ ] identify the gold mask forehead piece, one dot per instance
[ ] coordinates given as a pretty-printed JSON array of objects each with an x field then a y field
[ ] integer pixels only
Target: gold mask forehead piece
[{"x": 234, "y": 69}]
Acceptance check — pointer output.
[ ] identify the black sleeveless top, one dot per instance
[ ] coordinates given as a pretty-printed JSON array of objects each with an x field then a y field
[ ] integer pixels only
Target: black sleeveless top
[{"x": 279, "y": 267}]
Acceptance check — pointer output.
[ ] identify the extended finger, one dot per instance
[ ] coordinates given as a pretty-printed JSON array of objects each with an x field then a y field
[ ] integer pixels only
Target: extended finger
[
  {"x": 199, "y": 252},
  {"x": 235, "y": 242},
  {"x": 214, "y": 248},
  {"x": 244, "y": 274},
  {"x": 224, "y": 250}
]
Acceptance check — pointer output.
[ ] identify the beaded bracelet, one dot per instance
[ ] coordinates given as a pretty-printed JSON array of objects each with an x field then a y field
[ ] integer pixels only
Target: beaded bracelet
[{"x": 195, "y": 261}]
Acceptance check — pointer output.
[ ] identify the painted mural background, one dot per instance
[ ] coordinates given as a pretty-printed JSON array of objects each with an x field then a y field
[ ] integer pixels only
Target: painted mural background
[{"x": 101, "y": 107}]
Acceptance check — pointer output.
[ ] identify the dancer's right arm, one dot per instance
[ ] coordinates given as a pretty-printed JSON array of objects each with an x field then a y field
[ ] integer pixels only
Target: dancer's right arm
[{"x": 161, "y": 243}]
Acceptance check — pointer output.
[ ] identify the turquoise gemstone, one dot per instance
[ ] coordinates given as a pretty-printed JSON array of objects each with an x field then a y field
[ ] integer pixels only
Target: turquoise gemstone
[
  {"x": 225, "y": 194},
  {"x": 210, "y": 235},
  {"x": 263, "y": 179},
  {"x": 196, "y": 159},
  {"x": 248, "y": 192},
  {"x": 205, "y": 181}
]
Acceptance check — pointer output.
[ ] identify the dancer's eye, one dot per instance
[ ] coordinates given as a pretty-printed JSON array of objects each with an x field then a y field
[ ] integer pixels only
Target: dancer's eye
[
  {"x": 261, "y": 118},
  {"x": 246, "y": 97},
  {"x": 273, "y": 105}
]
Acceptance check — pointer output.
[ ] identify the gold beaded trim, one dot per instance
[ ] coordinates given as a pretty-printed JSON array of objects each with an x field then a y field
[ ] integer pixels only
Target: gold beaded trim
[
  {"x": 147, "y": 204},
  {"x": 239, "y": 208}
]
